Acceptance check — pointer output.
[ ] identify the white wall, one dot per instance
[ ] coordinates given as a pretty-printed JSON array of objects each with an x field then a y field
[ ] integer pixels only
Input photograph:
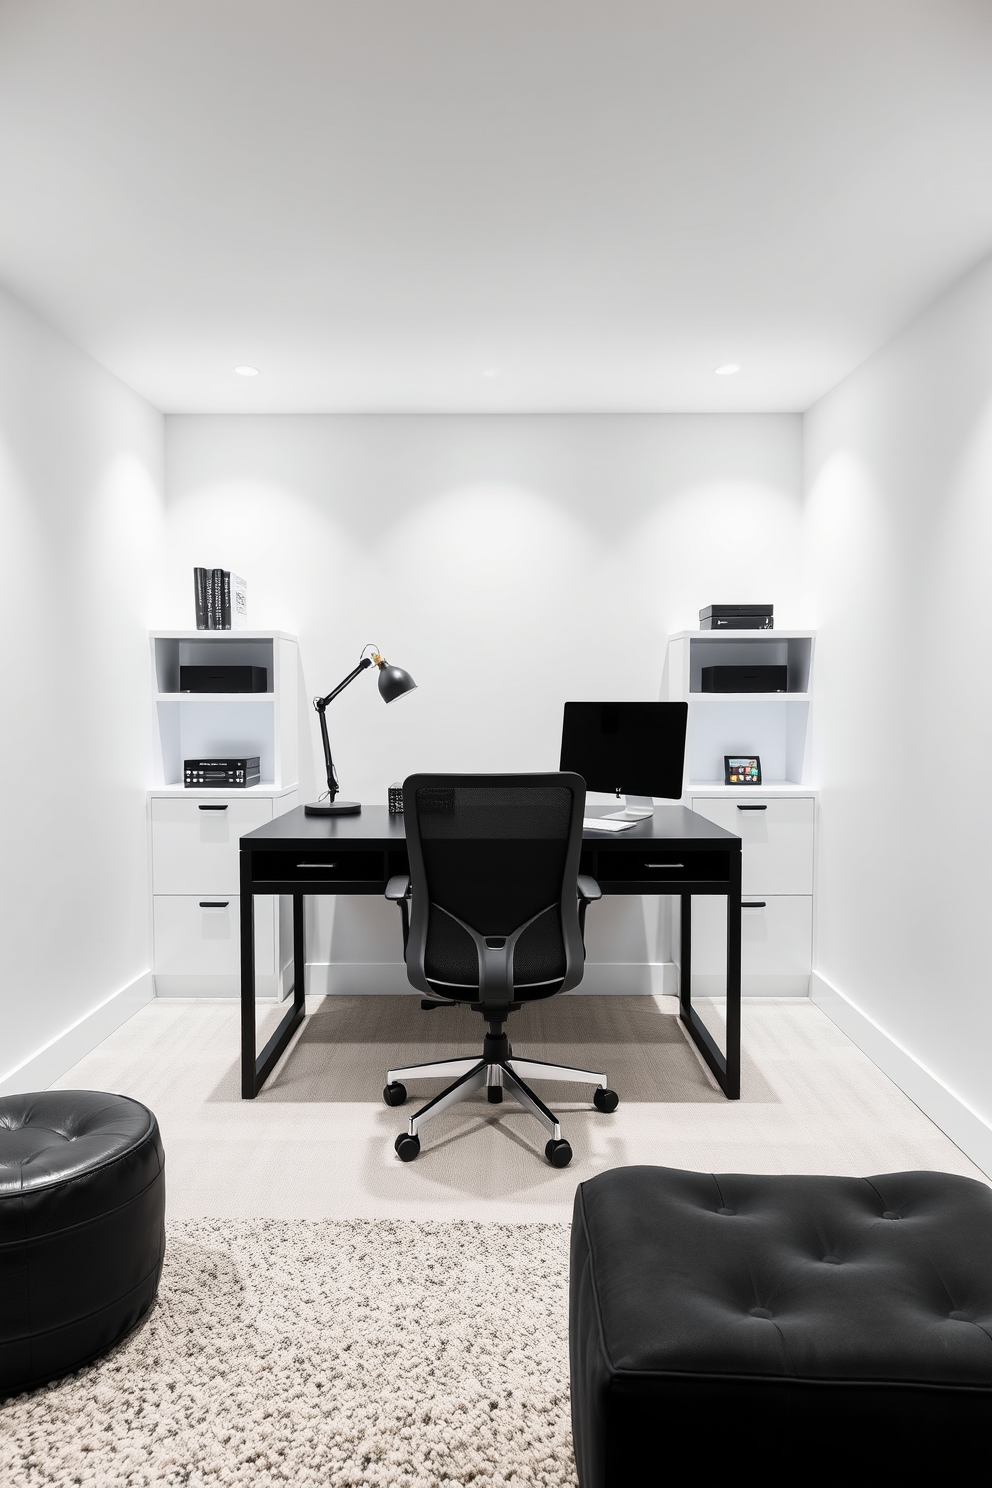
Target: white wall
[
  {"x": 509, "y": 563},
  {"x": 80, "y": 530},
  {"x": 899, "y": 532}
]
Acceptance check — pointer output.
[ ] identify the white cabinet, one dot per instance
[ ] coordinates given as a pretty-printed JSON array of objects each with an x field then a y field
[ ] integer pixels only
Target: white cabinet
[
  {"x": 775, "y": 822},
  {"x": 195, "y": 834},
  {"x": 776, "y": 834}
]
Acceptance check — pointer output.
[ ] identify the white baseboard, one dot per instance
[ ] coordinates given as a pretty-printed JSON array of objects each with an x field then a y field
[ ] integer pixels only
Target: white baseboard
[
  {"x": 388, "y": 978},
  {"x": 965, "y": 1127},
  {"x": 51, "y": 1061}
]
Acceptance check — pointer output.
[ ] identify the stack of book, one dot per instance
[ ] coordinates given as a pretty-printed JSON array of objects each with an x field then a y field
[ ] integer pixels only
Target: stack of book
[{"x": 221, "y": 599}]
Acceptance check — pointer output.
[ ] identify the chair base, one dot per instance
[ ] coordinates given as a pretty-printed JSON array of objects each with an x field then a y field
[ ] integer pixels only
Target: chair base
[{"x": 502, "y": 1073}]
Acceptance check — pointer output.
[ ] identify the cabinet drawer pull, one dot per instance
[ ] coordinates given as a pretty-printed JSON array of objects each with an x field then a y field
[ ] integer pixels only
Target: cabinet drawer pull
[
  {"x": 214, "y": 903},
  {"x": 664, "y": 865},
  {"x": 316, "y": 865},
  {"x": 753, "y": 904},
  {"x": 751, "y": 808},
  {"x": 204, "y": 807}
]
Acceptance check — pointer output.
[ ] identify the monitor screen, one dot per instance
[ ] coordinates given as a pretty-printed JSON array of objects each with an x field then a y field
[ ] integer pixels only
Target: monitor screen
[{"x": 632, "y": 749}]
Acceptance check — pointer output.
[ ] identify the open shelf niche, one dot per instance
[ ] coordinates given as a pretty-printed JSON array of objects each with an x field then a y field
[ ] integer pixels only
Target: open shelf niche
[
  {"x": 190, "y": 725},
  {"x": 773, "y": 725}
]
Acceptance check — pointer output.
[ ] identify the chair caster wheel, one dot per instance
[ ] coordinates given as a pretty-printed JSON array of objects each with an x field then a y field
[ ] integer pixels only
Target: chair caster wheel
[
  {"x": 394, "y": 1094},
  {"x": 606, "y": 1100},
  {"x": 559, "y": 1154},
  {"x": 494, "y": 1094},
  {"x": 407, "y": 1147}
]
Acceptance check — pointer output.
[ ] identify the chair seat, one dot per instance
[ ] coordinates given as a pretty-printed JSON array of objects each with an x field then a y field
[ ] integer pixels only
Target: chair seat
[{"x": 813, "y": 1309}]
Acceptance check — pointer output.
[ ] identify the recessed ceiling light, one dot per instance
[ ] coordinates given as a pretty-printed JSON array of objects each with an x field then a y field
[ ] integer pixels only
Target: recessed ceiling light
[
  {"x": 728, "y": 369},
  {"x": 490, "y": 371},
  {"x": 246, "y": 371}
]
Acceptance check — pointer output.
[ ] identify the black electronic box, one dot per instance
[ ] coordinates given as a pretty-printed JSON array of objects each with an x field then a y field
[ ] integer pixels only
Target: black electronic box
[
  {"x": 745, "y": 679},
  {"x": 238, "y": 773},
  {"x": 737, "y": 617},
  {"x": 223, "y": 679}
]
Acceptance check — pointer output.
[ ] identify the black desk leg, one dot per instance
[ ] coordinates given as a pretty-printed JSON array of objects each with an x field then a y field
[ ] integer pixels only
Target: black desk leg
[
  {"x": 726, "y": 1067},
  {"x": 733, "y": 1085},
  {"x": 255, "y": 1072}
]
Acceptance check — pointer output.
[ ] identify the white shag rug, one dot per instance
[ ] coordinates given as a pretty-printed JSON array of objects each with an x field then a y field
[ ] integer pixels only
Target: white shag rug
[{"x": 338, "y": 1353}]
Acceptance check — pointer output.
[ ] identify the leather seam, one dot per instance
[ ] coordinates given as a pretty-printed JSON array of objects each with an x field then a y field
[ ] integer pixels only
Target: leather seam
[
  {"x": 87, "y": 1172},
  {"x": 80, "y": 1224}
]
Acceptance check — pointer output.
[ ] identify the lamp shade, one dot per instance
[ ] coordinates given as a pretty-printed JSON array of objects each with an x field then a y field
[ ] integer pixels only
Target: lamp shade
[{"x": 394, "y": 682}]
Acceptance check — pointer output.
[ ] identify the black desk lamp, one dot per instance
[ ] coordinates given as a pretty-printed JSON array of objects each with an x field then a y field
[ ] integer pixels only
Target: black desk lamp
[{"x": 393, "y": 683}]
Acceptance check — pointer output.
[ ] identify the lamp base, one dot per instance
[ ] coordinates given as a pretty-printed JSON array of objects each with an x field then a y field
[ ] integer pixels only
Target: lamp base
[{"x": 332, "y": 808}]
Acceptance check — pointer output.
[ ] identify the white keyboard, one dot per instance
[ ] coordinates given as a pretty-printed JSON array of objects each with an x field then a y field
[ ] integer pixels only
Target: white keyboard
[{"x": 600, "y": 824}]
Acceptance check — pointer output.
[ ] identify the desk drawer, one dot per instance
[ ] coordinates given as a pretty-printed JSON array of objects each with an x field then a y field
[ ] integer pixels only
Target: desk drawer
[
  {"x": 195, "y": 843},
  {"x": 320, "y": 865},
  {"x": 776, "y": 836},
  {"x": 198, "y": 935},
  {"x": 661, "y": 864}
]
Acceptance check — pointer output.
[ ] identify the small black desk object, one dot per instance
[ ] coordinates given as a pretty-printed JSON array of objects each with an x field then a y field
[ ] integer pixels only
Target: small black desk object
[{"x": 675, "y": 851}]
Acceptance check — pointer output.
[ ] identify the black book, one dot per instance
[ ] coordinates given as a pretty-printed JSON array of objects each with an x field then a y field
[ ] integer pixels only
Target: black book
[
  {"x": 215, "y": 584},
  {"x": 225, "y": 600},
  {"x": 200, "y": 597}
]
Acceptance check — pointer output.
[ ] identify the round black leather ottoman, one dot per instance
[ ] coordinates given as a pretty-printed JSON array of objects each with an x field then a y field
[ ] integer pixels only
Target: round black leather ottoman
[
  {"x": 823, "y": 1330},
  {"x": 82, "y": 1228}
]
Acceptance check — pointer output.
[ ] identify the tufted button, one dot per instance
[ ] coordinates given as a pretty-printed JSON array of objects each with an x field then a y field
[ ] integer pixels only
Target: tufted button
[
  {"x": 759, "y": 1312},
  {"x": 725, "y": 1210},
  {"x": 891, "y": 1214},
  {"x": 831, "y": 1260}
]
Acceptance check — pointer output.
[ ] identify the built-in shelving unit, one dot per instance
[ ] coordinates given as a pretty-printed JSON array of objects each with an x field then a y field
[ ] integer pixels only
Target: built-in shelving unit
[
  {"x": 776, "y": 821},
  {"x": 774, "y": 725},
  {"x": 194, "y": 835}
]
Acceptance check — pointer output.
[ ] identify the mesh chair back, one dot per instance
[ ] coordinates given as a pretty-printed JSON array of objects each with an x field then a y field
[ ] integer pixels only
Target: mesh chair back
[{"x": 496, "y": 852}]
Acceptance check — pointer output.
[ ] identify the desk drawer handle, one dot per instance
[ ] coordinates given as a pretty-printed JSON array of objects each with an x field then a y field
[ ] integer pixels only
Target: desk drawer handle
[
  {"x": 751, "y": 808},
  {"x": 753, "y": 904},
  {"x": 203, "y": 807},
  {"x": 316, "y": 865},
  {"x": 214, "y": 903},
  {"x": 664, "y": 865}
]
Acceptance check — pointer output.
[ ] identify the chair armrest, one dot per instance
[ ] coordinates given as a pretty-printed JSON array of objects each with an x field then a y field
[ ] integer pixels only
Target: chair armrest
[
  {"x": 588, "y": 888},
  {"x": 398, "y": 887}
]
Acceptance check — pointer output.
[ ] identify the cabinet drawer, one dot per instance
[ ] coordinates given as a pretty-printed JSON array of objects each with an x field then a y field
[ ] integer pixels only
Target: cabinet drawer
[
  {"x": 195, "y": 843},
  {"x": 776, "y": 944},
  {"x": 196, "y": 935},
  {"x": 776, "y": 837}
]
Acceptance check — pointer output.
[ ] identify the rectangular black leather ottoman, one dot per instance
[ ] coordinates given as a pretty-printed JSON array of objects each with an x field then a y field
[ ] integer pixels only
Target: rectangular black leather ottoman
[{"x": 836, "y": 1330}]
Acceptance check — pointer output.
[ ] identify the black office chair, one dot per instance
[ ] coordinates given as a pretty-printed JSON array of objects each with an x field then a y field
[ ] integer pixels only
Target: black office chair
[{"x": 493, "y": 913}]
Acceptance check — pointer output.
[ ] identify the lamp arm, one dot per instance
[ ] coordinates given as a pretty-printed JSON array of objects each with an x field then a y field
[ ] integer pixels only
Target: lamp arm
[{"x": 320, "y": 704}]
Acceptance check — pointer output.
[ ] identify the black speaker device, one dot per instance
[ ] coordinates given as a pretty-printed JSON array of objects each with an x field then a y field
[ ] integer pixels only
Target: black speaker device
[
  {"x": 745, "y": 679},
  {"x": 223, "y": 679},
  {"x": 737, "y": 617},
  {"x": 239, "y": 773}
]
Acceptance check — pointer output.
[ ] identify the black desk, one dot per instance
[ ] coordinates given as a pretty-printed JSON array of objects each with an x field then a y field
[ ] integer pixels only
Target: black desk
[{"x": 674, "y": 852}]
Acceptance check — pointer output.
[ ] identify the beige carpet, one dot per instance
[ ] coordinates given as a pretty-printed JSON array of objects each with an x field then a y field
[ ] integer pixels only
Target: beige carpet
[
  {"x": 318, "y": 1142},
  {"x": 323, "y": 1354}
]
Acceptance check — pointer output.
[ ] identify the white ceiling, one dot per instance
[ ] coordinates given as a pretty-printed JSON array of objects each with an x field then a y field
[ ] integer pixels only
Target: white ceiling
[{"x": 374, "y": 201}]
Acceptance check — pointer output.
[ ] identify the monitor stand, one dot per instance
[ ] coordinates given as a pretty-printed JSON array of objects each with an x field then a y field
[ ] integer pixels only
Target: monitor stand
[{"x": 635, "y": 808}]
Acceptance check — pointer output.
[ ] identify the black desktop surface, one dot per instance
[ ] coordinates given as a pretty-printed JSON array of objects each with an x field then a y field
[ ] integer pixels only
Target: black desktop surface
[{"x": 376, "y": 826}]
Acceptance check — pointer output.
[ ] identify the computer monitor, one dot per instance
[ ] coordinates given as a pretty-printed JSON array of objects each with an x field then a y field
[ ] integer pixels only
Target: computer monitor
[{"x": 636, "y": 750}]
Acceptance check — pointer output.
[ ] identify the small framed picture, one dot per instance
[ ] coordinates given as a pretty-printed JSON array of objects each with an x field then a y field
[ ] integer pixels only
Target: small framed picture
[{"x": 739, "y": 769}]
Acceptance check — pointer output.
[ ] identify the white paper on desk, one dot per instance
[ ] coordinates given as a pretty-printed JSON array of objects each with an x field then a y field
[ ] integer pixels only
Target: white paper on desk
[{"x": 600, "y": 824}]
